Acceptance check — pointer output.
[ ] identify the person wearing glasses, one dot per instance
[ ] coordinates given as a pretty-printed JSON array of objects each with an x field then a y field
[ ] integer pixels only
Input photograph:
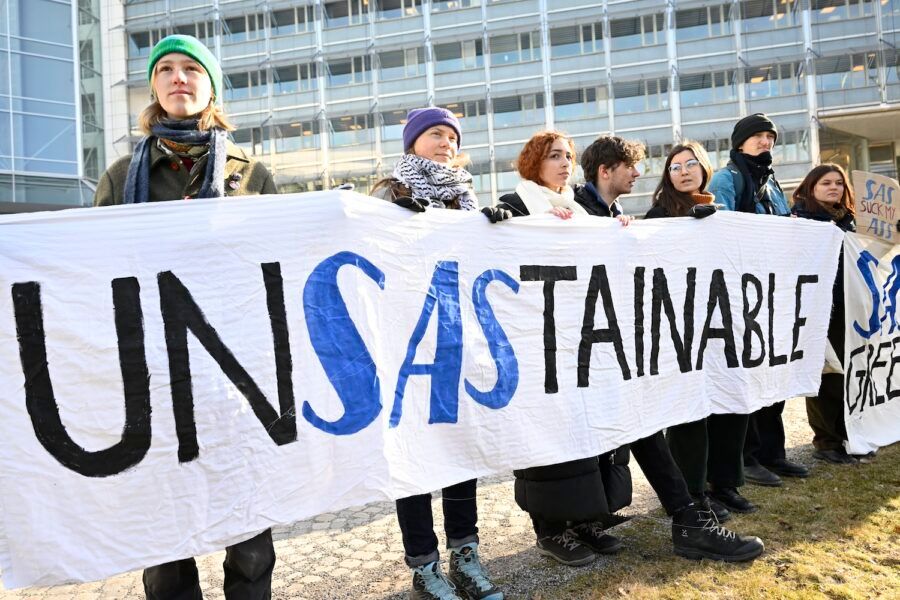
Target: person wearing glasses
[
  {"x": 747, "y": 184},
  {"x": 708, "y": 451}
]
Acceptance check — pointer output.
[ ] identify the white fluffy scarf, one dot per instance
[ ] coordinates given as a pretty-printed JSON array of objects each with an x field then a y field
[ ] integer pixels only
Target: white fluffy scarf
[{"x": 539, "y": 199}]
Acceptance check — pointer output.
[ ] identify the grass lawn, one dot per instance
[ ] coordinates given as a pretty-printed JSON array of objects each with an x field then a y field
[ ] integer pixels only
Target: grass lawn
[{"x": 834, "y": 535}]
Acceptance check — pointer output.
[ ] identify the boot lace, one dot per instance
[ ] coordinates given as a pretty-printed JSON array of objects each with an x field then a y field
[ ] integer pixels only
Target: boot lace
[
  {"x": 437, "y": 584},
  {"x": 567, "y": 540},
  {"x": 469, "y": 565},
  {"x": 594, "y": 528},
  {"x": 711, "y": 524}
]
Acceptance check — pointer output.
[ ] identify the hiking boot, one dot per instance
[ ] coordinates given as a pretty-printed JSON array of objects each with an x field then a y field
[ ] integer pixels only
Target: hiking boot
[
  {"x": 592, "y": 536},
  {"x": 469, "y": 577},
  {"x": 696, "y": 534},
  {"x": 708, "y": 503},
  {"x": 731, "y": 499},
  {"x": 430, "y": 583},
  {"x": 566, "y": 549},
  {"x": 759, "y": 475}
]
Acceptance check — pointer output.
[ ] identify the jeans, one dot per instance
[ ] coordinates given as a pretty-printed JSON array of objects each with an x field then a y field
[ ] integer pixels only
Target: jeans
[{"x": 417, "y": 523}]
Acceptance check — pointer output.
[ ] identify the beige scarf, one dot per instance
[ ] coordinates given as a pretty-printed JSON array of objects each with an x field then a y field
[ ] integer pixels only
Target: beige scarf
[{"x": 539, "y": 199}]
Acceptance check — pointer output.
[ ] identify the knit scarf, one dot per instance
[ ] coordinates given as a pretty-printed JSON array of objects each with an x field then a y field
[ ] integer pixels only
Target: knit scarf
[
  {"x": 756, "y": 171},
  {"x": 184, "y": 131},
  {"x": 539, "y": 199},
  {"x": 435, "y": 183},
  {"x": 702, "y": 198}
]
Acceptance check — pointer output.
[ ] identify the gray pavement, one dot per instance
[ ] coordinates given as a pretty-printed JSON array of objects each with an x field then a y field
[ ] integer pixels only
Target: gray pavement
[{"x": 358, "y": 552}]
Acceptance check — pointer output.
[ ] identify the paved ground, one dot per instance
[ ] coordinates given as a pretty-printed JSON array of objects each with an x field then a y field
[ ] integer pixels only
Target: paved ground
[{"x": 357, "y": 553}]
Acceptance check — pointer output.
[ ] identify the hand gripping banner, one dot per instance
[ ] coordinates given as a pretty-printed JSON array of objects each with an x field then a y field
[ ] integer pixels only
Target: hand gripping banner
[{"x": 175, "y": 377}]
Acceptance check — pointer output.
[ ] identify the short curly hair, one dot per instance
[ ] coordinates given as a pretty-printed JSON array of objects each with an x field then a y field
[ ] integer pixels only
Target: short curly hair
[
  {"x": 536, "y": 150},
  {"x": 609, "y": 151}
]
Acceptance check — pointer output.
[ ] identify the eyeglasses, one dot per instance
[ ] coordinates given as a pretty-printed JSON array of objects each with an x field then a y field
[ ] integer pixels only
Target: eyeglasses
[{"x": 690, "y": 165}]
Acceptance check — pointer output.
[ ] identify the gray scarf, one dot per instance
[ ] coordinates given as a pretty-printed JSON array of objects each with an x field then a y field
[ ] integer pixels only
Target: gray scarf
[
  {"x": 137, "y": 182},
  {"x": 435, "y": 183}
]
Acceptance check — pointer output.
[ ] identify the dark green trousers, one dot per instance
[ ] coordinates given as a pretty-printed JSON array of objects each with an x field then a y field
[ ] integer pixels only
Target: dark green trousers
[
  {"x": 710, "y": 450},
  {"x": 826, "y": 413}
]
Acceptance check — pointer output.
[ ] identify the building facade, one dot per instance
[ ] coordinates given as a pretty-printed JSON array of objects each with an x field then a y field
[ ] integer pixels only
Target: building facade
[
  {"x": 51, "y": 121},
  {"x": 320, "y": 88}
]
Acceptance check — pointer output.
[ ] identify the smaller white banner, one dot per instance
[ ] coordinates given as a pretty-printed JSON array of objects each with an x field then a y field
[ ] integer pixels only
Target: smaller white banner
[{"x": 871, "y": 353}]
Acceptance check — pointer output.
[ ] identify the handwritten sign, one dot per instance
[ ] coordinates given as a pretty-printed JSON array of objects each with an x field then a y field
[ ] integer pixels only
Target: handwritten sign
[{"x": 877, "y": 200}]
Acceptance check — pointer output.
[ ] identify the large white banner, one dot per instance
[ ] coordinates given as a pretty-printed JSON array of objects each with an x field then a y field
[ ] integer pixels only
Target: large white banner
[
  {"x": 178, "y": 376},
  {"x": 872, "y": 334}
]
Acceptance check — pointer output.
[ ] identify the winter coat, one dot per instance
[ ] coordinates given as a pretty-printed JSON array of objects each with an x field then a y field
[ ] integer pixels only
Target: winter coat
[
  {"x": 727, "y": 184},
  {"x": 589, "y": 198},
  {"x": 170, "y": 180}
]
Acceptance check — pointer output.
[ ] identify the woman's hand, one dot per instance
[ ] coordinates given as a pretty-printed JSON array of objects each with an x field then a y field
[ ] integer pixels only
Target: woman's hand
[
  {"x": 561, "y": 212},
  {"x": 625, "y": 220}
]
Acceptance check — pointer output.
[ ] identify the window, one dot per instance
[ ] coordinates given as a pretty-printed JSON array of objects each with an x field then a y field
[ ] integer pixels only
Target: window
[
  {"x": 576, "y": 39},
  {"x": 349, "y": 70},
  {"x": 395, "y": 9},
  {"x": 635, "y": 32},
  {"x": 792, "y": 146},
  {"x": 775, "y": 80},
  {"x": 351, "y": 130},
  {"x": 519, "y": 110},
  {"x": 639, "y": 96},
  {"x": 655, "y": 159},
  {"x": 345, "y": 12},
  {"x": 702, "y": 23},
  {"x": 765, "y": 15},
  {"x": 203, "y": 31},
  {"x": 242, "y": 29},
  {"x": 392, "y": 123},
  {"x": 241, "y": 85},
  {"x": 457, "y": 56},
  {"x": 846, "y": 72},
  {"x": 140, "y": 42},
  {"x": 294, "y": 78},
  {"x": 705, "y": 88},
  {"x": 472, "y": 115},
  {"x": 580, "y": 103},
  {"x": 401, "y": 63},
  {"x": 296, "y": 136},
  {"x": 444, "y": 5},
  {"x": 827, "y": 11},
  {"x": 293, "y": 20},
  {"x": 519, "y": 47}
]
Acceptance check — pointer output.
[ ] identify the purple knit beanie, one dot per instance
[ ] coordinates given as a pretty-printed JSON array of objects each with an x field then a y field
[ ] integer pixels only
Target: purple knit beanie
[{"x": 419, "y": 120}]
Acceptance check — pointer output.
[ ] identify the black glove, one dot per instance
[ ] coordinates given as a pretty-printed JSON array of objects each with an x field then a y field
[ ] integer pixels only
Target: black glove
[
  {"x": 411, "y": 203},
  {"x": 496, "y": 214},
  {"x": 700, "y": 211}
]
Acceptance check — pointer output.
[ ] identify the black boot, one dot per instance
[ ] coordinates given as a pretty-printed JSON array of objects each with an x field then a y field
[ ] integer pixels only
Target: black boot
[{"x": 697, "y": 534}]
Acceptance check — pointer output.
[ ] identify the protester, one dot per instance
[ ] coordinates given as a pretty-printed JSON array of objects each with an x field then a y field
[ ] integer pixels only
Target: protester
[
  {"x": 430, "y": 175},
  {"x": 185, "y": 154},
  {"x": 609, "y": 166},
  {"x": 708, "y": 451},
  {"x": 748, "y": 184},
  {"x": 825, "y": 195},
  {"x": 567, "y": 502}
]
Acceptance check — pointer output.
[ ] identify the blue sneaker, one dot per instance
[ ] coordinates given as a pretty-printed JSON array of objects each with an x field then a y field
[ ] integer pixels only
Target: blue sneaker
[
  {"x": 469, "y": 576},
  {"x": 430, "y": 583}
]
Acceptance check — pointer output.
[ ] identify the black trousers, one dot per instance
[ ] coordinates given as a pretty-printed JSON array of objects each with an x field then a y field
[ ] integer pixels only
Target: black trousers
[
  {"x": 765, "y": 436},
  {"x": 653, "y": 456},
  {"x": 826, "y": 413},
  {"x": 248, "y": 573},
  {"x": 710, "y": 451},
  {"x": 417, "y": 523}
]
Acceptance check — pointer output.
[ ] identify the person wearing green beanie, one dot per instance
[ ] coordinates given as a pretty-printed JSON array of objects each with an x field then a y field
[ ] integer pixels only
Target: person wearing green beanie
[{"x": 185, "y": 154}]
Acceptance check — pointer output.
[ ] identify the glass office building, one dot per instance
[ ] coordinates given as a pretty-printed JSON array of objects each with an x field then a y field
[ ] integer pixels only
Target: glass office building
[
  {"x": 320, "y": 88},
  {"x": 51, "y": 132}
]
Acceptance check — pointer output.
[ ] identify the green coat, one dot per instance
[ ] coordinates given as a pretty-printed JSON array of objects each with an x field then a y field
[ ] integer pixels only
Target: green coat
[{"x": 170, "y": 180}]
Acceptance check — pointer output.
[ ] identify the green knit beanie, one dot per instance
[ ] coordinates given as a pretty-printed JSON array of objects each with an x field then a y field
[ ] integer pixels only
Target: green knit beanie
[{"x": 189, "y": 46}]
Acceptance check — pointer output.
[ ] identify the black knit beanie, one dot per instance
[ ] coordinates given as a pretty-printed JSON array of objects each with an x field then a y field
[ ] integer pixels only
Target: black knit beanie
[{"x": 750, "y": 125}]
